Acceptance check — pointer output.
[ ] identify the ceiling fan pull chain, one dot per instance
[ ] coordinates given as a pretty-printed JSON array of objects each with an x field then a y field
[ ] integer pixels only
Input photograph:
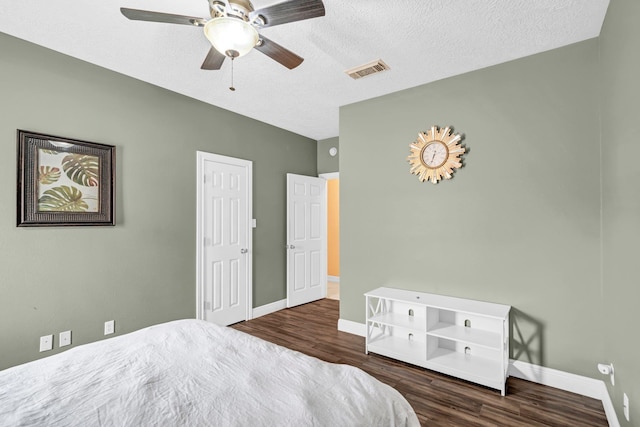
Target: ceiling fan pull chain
[{"x": 231, "y": 88}]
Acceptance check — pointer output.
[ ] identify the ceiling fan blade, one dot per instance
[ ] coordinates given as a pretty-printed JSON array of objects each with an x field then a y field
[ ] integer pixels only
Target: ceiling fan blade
[
  {"x": 278, "y": 53},
  {"x": 288, "y": 11},
  {"x": 213, "y": 61},
  {"x": 147, "y": 15}
]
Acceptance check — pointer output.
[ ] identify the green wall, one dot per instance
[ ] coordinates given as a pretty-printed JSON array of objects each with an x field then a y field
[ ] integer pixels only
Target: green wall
[
  {"x": 327, "y": 163},
  {"x": 620, "y": 68},
  {"x": 142, "y": 271},
  {"x": 519, "y": 224}
]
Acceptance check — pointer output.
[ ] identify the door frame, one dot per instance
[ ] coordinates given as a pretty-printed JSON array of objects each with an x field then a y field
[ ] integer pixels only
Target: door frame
[
  {"x": 328, "y": 176},
  {"x": 201, "y": 156}
]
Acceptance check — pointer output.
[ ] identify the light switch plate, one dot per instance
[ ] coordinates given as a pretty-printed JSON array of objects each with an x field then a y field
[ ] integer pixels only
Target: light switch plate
[
  {"x": 65, "y": 339},
  {"x": 109, "y": 327}
]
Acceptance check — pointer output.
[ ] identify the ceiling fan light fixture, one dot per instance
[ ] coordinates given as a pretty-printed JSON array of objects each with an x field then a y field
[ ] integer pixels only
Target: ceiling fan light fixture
[{"x": 232, "y": 37}]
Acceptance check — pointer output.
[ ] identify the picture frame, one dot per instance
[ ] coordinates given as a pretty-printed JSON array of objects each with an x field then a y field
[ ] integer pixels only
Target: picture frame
[{"x": 64, "y": 182}]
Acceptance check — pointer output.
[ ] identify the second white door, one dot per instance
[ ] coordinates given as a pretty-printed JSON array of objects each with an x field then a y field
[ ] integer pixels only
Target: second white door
[{"x": 306, "y": 239}]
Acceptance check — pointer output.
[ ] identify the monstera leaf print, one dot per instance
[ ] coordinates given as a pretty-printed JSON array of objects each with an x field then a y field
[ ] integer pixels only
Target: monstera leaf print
[
  {"x": 48, "y": 175},
  {"x": 62, "y": 199},
  {"x": 82, "y": 169}
]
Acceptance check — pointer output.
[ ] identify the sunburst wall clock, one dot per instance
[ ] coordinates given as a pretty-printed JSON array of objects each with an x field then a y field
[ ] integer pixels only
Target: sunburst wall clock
[{"x": 435, "y": 154}]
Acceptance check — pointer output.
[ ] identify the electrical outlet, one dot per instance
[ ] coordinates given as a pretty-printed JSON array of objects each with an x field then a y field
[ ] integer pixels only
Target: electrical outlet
[
  {"x": 46, "y": 343},
  {"x": 65, "y": 339},
  {"x": 625, "y": 406},
  {"x": 109, "y": 327}
]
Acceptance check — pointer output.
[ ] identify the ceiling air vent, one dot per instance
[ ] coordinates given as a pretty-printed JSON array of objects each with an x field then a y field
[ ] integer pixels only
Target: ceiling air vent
[{"x": 367, "y": 69}]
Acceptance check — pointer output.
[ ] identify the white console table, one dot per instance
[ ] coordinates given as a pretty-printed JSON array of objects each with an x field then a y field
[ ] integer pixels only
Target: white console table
[{"x": 459, "y": 337}]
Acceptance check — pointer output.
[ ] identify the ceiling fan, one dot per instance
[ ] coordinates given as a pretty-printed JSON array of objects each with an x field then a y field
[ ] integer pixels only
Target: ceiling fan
[{"x": 234, "y": 24}]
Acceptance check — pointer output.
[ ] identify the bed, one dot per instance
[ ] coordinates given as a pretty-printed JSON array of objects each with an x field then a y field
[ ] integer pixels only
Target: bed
[{"x": 194, "y": 373}]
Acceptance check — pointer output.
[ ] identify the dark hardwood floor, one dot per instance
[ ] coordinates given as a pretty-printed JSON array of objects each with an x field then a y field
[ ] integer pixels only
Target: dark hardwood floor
[{"x": 438, "y": 400}]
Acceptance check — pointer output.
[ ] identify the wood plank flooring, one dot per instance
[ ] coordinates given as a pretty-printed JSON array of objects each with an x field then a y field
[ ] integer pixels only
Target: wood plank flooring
[{"x": 438, "y": 400}]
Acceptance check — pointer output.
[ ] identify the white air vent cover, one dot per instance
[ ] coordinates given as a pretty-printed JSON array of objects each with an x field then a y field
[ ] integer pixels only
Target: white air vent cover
[{"x": 367, "y": 69}]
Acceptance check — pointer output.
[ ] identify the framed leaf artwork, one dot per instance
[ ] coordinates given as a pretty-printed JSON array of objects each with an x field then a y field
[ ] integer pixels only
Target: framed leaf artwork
[{"x": 64, "y": 181}]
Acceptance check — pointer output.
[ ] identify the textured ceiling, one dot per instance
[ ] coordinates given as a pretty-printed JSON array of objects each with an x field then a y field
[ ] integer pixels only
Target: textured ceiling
[{"x": 421, "y": 40}]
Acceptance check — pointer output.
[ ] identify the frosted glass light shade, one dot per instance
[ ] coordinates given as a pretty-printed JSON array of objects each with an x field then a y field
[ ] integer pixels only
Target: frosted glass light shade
[{"x": 231, "y": 36}]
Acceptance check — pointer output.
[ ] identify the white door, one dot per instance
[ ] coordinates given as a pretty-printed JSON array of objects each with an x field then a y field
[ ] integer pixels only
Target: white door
[
  {"x": 224, "y": 239},
  {"x": 306, "y": 239}
]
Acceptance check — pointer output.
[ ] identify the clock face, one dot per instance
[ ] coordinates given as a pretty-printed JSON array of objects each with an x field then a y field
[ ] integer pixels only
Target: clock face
[{"x": 435, "y": 154}]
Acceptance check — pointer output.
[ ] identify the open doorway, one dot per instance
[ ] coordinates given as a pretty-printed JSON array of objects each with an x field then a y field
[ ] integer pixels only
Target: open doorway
[{"x": 333, "y": 235}]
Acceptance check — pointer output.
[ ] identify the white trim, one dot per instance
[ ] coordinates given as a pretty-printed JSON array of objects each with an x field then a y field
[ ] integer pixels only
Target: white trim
[
  {"x": 201, "y": 156},
  {"x": 352, "y": 327},
  {"x": 558, "y": 379},
  {"x": 199, "y": 189},
  {"x": 578, "y": 384},
  {"x": 329, "y": 175},
  {"x": 566, "y": 381},
  {"x": 263, "y": 310}
]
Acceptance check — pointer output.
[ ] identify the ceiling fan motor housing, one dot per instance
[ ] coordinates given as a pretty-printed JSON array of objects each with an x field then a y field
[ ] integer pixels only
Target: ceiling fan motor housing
[{"x": 237, "y": 8}]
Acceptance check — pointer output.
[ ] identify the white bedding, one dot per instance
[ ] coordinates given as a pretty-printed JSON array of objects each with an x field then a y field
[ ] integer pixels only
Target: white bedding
[{"x": 194, "y": 373}]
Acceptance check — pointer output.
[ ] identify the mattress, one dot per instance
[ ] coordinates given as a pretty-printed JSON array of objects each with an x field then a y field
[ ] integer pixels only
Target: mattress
[{"x": 194, "y": 373}]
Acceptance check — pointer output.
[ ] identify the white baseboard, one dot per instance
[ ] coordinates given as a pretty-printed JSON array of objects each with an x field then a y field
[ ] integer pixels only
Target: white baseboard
[
  {"x": 351, "y": 327},
  {"x": 333, "y": 279},
  {"x": 557, "y": 379},
  {"x": 269, "y": 308},
  {"x": 578, "y": 384}
]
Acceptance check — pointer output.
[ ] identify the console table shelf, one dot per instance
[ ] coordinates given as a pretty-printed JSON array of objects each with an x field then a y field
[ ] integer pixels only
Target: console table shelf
[
  {"x": 398, "y": 347},
  {"x": 464, "y": 338},
  {"x": 471, "y": 336},
  {"x": 400, "y": 320}
]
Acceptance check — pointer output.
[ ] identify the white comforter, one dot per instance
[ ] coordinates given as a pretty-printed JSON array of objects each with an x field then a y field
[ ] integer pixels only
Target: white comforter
[{"x": 194, "y": 373}]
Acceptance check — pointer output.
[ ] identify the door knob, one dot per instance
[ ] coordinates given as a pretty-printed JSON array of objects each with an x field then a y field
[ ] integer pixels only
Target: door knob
[
  {"x": 244, "y": 251},
  {"x": 290, "y": 247}
]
